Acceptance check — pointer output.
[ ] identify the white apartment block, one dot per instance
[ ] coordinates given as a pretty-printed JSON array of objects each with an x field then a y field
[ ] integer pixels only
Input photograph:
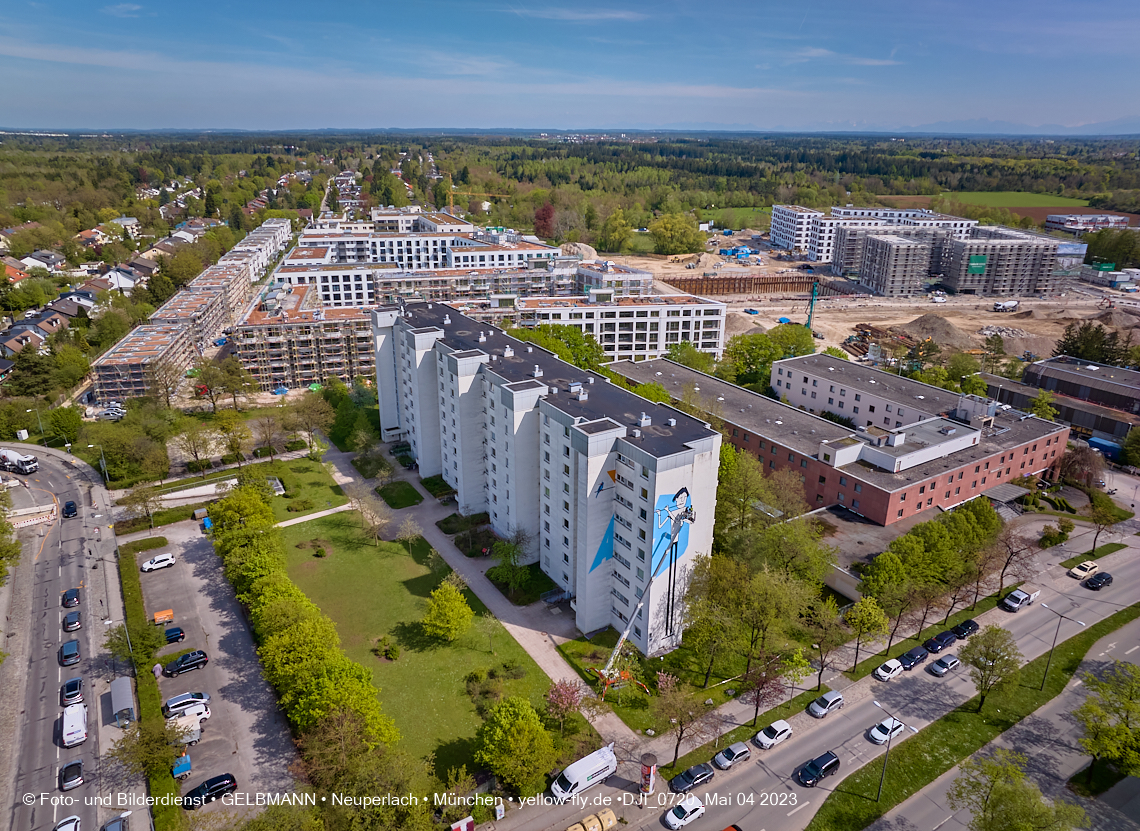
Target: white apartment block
[
  {"x": 814, "y": 232},
  {"x": 633, "y": 328},
  {"x": 593, "y": 474}
]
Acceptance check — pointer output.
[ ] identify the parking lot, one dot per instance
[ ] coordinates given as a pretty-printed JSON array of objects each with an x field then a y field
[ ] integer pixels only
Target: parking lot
[{"x": 246, "y": 734}]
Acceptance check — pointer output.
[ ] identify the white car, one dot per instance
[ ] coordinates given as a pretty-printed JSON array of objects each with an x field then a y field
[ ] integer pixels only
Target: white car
[
  {"x": 885, "y": 730},
  {"x": 888, "y": 670},
  {"x": 198, "y": 711},
  {"x": 71, "y": 823},
  {"x": 1086, "y": 569},
  {"x": 773, "y": 734},
  {"x": 938, "y": 300},
  {"x": 161, "y": 561},
  {"x": 684, "y": 812}
]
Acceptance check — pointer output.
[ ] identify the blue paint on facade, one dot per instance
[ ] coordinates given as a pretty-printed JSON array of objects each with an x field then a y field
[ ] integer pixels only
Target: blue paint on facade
[
  {"x": 606, "y": 548},
  {"x": 662, "y": 534}
]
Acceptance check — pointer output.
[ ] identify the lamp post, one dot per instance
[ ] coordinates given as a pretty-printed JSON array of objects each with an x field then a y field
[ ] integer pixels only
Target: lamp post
[
  {"x": 38, "y": 419},
  {"x": 102, "y": 461},
  {"x": 1049, "y": 662},
  {"x": 819, "y": 681},
  {"x": 883, "y": 776}
]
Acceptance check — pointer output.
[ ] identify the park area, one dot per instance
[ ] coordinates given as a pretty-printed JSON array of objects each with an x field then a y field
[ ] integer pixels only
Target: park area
[{"x": 377, "y": 595}]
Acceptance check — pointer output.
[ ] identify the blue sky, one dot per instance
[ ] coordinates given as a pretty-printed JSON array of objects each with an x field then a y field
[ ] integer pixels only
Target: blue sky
[{"x": 562, "y": 65}]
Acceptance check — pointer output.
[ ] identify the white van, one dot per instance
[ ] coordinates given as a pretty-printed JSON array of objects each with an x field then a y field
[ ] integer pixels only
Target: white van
[
  {"x": 595, "y": 768},
  {"x": 74, "y": 724},
  {"x": 191, "y": 728}
]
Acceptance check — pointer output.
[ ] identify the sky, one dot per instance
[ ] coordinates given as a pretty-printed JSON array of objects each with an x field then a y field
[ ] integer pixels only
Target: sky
[{"x": 559, "y": 65}]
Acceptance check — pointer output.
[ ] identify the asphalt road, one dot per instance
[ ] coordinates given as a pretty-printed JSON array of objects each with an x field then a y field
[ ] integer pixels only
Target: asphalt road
[
  {"x": 1049, "y": 738},
  {"x": 61, "y": 562},
  {"x": 762, "y": 795}
]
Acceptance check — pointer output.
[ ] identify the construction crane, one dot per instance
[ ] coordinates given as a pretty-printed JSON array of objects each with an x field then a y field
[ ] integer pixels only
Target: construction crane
[
  {"x": 677, "y": 514},
  {"x": 811, "y": 305}
]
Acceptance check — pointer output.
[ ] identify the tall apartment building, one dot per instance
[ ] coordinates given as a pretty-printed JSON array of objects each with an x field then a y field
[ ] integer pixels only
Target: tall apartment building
[
  {"x": 127, "y": 369},
  {"x": 817, "y": 234},
  {"x": 850, "y": 246},
  {"x": 634, "y": 328},
  {"x": 895, "y": 266},
  {"x": 599, "y": 478},
  {"x": 289, "y": 340},
  {"x": 916, "y": 447},
  {"x": 202, "y": 312},
  {"x": 1001, "y": 261}
]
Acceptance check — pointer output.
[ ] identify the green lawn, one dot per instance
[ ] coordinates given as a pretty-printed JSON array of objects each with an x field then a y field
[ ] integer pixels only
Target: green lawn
[
  {"x": 758, "y": 218},
  {"x": 538, "y": 583},
  {"x": 639, "y": 244},
  {"x": 1016, "y": 199},
  {"x": 1104, "y": 776},
  {"x": 371, "y": 591},
  {"x": 1100, "y": 551},
  {"x": 399, "y": 494},
  {"x": 146, "y": 544},
  {"x": 921, "y": 759}
]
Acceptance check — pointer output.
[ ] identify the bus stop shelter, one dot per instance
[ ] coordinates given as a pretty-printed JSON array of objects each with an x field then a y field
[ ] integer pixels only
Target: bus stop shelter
[{"x": 122, "y": 701}]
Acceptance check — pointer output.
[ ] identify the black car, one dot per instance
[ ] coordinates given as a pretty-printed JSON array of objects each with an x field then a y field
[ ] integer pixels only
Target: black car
[
  {"x": 71, "y": 775},
  {"x": 213, "y": 788},
  {"x": 70, "y": 598},
  {"x": 69, "y": 653},
  {"x": 818, "y": 768},
  {"x": 69, "y": 510},
  {"x": 1098, "y": 581},
  {"x": 694, "y": 777},
  {"x": 174, "y": 635},
  {"x": 191, "y": 660},
  {"x": 71, "y": 692},
  {"x": 964, "y": 629},
  {"x": 939, "y": 642},
  {"x": 913, "y": 658},
  {"x": 72, "y": 621}
]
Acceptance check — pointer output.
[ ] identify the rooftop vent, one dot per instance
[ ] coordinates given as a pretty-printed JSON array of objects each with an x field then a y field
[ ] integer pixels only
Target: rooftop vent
[
  {"x": 482, "y": 338},
  {"x": 672, "y": 422},
  {"x": 530, "y": 349},
  {"x": 920, "y": 397},
  {"x": 537, "y": 371},
  {"x": 590, "y": 379},
  {"x": 508, "y": 352},
  {"x": 948, "y": 431},
  {"x": 831, "y": 369},
  {"x": 644, "y": 420},
  {"x": 446, "y": 319},
  {"x": 575, "y": 386},
  {"x": 429, "y": 305},
  {"x": 583, "y": 395},
  {"x": 636, "y": 433},
  {"x": 658, "y": 374}
]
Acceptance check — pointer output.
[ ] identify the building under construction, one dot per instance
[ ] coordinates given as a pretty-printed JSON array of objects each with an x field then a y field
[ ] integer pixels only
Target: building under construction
[{"x": 709, "y": 283}]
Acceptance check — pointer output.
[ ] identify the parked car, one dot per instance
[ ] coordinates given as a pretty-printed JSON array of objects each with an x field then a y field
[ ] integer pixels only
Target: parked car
[
  {"x": 174, "y": 635},
  {"x": 885, "y": 730},
  {"x": 71, "y": 775},
  {"x": 191, "y": 660},
  {"x": 71, "y": 692},
  {"x": 70, "y": 509},
  {"x": 818, "y": 768},
  {"x": 120, "y": 823},
  {"x": 945, "y": 664},
  {"x": 70, "y": 598},
  {"x": 913, "y": 657},
  {"x": 731, "y": 755},
  {"x": 964, "y": 629},
  {"x": 684, "y": 812},
  {"x": 177, "y": 705},
  {"x": 161, "y": 561},
  {"x": 72, "y": 621},
  {"x": 199, "y": 711},
  {"x": 1086, "y": 569},
  {"x": 829, "y": 702},
  {"x": 773, "y": 734},
  {"x": 694, "y": 777},
  {"x": 888, "y": 670},
  {"x": 69, "y": 653},
  {"x": 71, "y": 823},
  {"x": 939, "y": 642},
  {"x": 213, "y": 788},
  {"x": 1099, "y": 581}
]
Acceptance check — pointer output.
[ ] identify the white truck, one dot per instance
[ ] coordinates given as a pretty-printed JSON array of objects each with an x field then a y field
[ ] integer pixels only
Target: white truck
[
  {"x": 1018, "y": 599},
  {"x": 17, "y": 462},
  {"x": 1007, "y": 306}
]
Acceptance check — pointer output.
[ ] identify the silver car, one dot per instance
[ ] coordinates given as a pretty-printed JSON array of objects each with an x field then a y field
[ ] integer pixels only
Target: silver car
[
  {"x": 829, "y": 702},
  {"x": 731, "y": 755}
]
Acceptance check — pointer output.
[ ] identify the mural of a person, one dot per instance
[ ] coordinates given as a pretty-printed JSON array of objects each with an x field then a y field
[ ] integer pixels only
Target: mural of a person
[{"x": 676, "y": 513}]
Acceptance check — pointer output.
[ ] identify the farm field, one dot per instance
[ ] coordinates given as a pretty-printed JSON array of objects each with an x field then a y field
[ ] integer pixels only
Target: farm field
[{"x": 1015, "y": 199}]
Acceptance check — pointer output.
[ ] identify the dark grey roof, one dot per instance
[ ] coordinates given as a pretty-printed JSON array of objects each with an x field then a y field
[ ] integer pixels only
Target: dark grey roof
[
  {"x": 887, "y": 385},
  {"x": 1087, "y": 373},
  {"x": 1005, "y": 492},
  {"x": 603, "y": 399}
]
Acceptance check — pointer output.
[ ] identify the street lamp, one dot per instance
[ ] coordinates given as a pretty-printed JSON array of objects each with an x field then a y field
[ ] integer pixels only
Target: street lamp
[
  {"x": 38, "y": 419},
  {"x": 887, "y": 755},
  {"x": 102, "y": 461},
  {"x": 1049, "y": 662}
]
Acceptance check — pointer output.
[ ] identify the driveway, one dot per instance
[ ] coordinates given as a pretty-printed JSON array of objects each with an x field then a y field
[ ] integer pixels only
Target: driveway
[{"x": 246, "y": 734}]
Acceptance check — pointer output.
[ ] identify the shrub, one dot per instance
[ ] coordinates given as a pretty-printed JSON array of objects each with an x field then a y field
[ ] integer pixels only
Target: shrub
[
  {"x": 298, "y": 444},
  {"x": 262, "y": 452},
  {"x": 295, "y": 506},
  {"x": 198, "y": 467},
  {"x": 318, "y": 551},
  {"x": 231, "y": 459}
]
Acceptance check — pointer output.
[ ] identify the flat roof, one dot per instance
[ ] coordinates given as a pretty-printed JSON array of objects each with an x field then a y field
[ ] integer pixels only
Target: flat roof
[
  {"x": 863, "y": 378},
  {"x": 1100, "y": 376},
  {"x": 803, "y": 432},
  {"x": 604, "y": 400},
  {"x": 143, "y": 343},
  {"x": 1062, "y": 399},
  {"x": 301, "y": 305},
  {"x": 585, "y": 302}
]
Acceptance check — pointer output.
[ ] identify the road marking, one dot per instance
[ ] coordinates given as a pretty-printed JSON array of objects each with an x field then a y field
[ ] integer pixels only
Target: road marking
[
  {"x": 1133, "y": 649},
  {"x": 804, "y": 805},
  {"x": 939, "y": 825}
]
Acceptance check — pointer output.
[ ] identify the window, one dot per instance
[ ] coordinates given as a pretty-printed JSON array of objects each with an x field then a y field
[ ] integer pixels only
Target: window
[
  {"x": 813, "y": 395},
  {"x": 855, "y": 504},
  {"x": 871, "y": 407},
  {"x": 645, "y": 494},
  {"x": 922, "y": 489},
  {"x": 641, "y": 554},
  {"x": 803, "y": 462},
  {"x": 902, "y": 498},
  {"x": 856, "y": 409},
  {"x": 565, "y": 470},
  {"x": 900, "y": 511},
  {"x": 842, "y": 481},
  {"x": 858, "y": 488},
  {"x": 858, "y": 397},
  {"x": 831, "y": 401}
]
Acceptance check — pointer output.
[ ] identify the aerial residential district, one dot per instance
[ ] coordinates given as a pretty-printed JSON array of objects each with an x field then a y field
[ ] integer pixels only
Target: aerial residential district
[{"x": 365, "y": 509}]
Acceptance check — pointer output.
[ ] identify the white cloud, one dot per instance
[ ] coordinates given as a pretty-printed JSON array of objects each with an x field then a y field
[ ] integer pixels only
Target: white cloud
[
  {"x": 810, "y": 53},
  {"x": 122, "y": 10},
  {"x": 580, "y": 15}
]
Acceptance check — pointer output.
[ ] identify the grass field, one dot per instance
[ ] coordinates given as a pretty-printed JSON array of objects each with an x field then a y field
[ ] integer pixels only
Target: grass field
[
  {"x": 758, "y": 218},
  {"x": 1101, "y": 551},
  {"x": 399, "y": 494},
  {"x": 1016, "y": 199},
  {"x": 371, "y": 591}
]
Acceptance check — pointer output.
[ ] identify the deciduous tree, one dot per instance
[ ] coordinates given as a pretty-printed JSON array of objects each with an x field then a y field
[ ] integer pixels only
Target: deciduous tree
[
  {"x": 867, "y": 621},
  {"x": 408, "y": 532},
  {"x": 675, "y": 233},
  {"x": 999, "y": 797},
  {"x": 514, "y": 746},
  {"x": 164, "y": 379},
  {"x": 825, "y": 626},
  {"x": 448, "y": 616},
  {"x": 267, "y": 431},
  {"x": 148, "y": 747},
  {"x": 563, "y": 700},
  {"x": 142, "y": 501},
  {"x": 65, "y": 423},
  {"x": 993, "y": 658},
  {"x": 673, "y": 706},
  {"x": 197, "y": 441},
  {"x": 1110, "y": 716},
  {"x": 235, "y": 434},
  {"x": 312, "y": 413}
]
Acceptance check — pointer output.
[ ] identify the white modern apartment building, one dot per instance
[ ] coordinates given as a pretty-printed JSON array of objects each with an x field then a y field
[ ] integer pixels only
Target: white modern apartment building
[
  {"x": 597, "y": 478},
  {"x": 633, "y": 328},
  {"x": 814, "y": 233},
  {"x": 1080, "y": 224}
]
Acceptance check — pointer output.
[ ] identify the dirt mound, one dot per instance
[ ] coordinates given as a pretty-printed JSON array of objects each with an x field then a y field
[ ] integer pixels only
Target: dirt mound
[
  {"x": 1117, "y": 319},
  {"x": 739, "y": 323},
  {"x": 941, "y": 331},
  {"x": 580, "y": 249}
]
